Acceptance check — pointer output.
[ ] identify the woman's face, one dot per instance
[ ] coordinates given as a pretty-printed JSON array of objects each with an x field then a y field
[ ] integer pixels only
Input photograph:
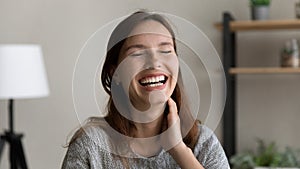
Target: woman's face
[{"x": 148, "y": 65}]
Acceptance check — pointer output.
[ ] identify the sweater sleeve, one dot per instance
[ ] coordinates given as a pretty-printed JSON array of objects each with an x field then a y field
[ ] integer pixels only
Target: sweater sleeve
[
  {"x": 209, "y": 151},
  {"x": 76, "y": 156}
]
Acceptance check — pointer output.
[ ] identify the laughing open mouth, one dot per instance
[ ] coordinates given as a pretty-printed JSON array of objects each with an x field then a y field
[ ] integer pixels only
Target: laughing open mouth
[{"x": 153, "y": 81}]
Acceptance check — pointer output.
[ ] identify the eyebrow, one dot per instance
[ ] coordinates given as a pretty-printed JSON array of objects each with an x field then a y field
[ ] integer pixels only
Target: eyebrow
[
  {"x": 140, "y": 46},
  {"x": 165, "y": 44}
]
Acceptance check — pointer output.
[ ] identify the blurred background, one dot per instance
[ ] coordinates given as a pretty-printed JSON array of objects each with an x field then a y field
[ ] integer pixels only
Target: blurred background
[{"x": 267, "y": 105}]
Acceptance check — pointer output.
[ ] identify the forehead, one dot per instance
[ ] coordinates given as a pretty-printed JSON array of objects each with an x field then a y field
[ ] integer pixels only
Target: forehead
[
  {"x": 150, "y": 27},
  {"x": 149, "y": 33},
  {"x": 148, "y": 40}
]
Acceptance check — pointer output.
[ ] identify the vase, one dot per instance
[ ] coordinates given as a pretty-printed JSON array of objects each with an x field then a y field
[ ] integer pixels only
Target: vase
[{"x": 260, "y": 12}]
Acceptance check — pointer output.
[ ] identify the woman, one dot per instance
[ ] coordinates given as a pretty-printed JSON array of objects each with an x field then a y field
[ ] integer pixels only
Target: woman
[{"x": 147, "y": 107}]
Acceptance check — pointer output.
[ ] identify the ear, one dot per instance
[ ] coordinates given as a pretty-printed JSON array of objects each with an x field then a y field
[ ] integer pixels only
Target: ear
[
  {"x": 116, "y": 78},
  {"x": 115, "y": 75}
]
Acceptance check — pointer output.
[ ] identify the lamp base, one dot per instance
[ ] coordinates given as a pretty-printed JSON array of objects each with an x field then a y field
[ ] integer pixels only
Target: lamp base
[{"x": 17, "y": 156}]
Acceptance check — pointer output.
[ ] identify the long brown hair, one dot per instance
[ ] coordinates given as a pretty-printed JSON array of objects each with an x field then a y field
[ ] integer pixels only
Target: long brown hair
[
  {"x": 114, "y": 118},
  {"x": 116, "y": 41}
]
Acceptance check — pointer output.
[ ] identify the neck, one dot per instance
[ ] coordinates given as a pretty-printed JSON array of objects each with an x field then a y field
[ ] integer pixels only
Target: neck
[
  {"x": 150, "y": 129},
  {"x": 147, "y": 123},
  {"x": 148, "y": 147}
]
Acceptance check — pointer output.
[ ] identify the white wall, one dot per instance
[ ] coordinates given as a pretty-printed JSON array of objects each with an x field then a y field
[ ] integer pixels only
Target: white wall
[{"x": 62, "y": 27}]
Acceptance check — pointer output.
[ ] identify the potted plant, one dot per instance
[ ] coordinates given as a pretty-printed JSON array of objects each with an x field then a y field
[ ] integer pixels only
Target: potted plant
[
  {"x": 267, "y": 157},
  {"x": 290, "y": 54},
  {"x": 260, "y": 9}
]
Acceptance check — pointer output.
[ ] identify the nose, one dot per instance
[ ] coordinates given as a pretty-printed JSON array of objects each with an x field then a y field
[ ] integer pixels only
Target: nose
[{"x": 152, "y": 60}]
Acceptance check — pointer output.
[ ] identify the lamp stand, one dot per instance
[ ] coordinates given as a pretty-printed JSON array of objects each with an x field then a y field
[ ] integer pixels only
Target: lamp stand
[{"x": 16, "y": 152}]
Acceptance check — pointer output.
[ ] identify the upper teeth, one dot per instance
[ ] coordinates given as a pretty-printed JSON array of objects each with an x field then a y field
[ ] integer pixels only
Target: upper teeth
[{"x": 153, "y": 79}]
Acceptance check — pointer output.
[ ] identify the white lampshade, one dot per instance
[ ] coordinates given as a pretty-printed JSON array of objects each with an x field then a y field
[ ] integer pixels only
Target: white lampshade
[{"x": 22, "y": 72}]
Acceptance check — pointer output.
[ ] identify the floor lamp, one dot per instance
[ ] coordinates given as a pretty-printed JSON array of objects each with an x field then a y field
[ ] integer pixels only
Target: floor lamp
[{"x": 22, "y": 76}]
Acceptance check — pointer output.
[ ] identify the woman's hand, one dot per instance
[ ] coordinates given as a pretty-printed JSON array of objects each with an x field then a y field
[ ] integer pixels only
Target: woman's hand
[
  {"x": 171, "y": 135},
  {"x": 172, "y": 142}
]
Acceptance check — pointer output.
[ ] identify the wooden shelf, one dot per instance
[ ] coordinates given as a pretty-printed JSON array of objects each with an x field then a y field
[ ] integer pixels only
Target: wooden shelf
[
  {"x": 264, "y": 70},
  {"x": 261, "y": 25}
]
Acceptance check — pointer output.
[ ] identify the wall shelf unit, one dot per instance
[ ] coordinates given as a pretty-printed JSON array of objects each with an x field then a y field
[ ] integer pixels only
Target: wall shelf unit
[
  {"x": 229, "y": 28},
  {"x": 261, "y": 25},
  {"x": 263, "y": 70}
]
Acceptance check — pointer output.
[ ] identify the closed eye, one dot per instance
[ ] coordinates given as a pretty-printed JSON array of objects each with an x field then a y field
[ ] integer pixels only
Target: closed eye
[
  {"x": 165, "y": 51},
  {"x": 137, "y": 53}
]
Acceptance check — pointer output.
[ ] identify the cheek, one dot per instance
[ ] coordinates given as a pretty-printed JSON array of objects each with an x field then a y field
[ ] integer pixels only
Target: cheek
[
  {"x": 128, "y": 69},
  {"x": 172, "y": 65}
]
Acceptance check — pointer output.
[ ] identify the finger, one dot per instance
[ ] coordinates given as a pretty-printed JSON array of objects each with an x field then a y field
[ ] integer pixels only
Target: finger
[
  {"x": 172, "y": 106},
  {"x": 164, "y": 125},
  {"x": 172, "y": 115},
  {"x": 172, "y": 136}
]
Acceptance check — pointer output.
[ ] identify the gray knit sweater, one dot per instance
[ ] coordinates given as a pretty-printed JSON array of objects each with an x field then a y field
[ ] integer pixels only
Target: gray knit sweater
[{"x": 85, "y": 153}]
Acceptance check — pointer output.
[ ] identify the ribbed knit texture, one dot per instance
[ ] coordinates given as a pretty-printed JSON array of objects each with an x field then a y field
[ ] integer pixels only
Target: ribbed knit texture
[{"x": 87, "y": 152}]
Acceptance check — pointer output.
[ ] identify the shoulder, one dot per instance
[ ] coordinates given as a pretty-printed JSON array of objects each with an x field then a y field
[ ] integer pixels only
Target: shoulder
[
  {"x": 205, "y": 134},
  {"x": 92, "y": 133},
  {"x": 206, "y": 141},
  {"x": 209, "y": 151},
  {"x": 98, "y": 136},
  {"x": 88, "y": 143},
  {"x": 88, "y": 135}
]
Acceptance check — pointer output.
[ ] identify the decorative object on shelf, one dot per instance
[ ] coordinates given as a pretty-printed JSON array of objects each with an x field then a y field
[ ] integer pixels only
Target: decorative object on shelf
[
  {"x": 297, "y": 9},
  {"x": 22, "y": 75},
  {"x": 290, "y": 54},
  {"x": 267, "y": 157},
  {"x": 260, "y": 9}
]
